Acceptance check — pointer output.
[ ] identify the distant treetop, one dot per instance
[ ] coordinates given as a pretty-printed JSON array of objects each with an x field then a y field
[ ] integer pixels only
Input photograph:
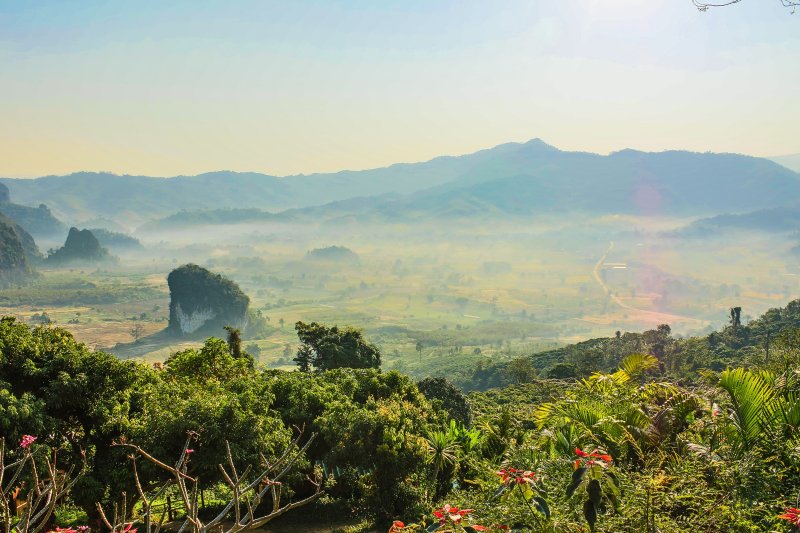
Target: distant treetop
[{"x": 333, "y": 253}]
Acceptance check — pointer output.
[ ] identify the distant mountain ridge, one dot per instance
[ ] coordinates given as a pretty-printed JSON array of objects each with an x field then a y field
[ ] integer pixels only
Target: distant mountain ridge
[
  {"x": 37, "y": 220},
  {"x": 775, "y": 220},
  {"x": 512, "y": 178}
]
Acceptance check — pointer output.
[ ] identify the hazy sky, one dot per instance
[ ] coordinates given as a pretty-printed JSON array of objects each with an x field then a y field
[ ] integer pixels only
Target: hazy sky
[{"x": 182, "y": 87}]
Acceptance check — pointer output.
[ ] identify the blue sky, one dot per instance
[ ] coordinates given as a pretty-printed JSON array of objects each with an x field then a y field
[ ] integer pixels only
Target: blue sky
[{"x": 166, "y": 88}]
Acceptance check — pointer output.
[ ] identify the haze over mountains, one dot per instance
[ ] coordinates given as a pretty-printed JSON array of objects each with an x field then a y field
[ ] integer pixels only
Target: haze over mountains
[{"x": 509, "y": 179}]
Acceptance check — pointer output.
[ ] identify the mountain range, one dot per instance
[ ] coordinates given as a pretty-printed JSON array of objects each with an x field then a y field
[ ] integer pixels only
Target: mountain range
[{"x": 512, "y": 179}]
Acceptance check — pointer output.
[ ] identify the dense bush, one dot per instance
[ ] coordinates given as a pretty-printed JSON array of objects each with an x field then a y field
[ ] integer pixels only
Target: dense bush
[{"x": 623, "y": 450}]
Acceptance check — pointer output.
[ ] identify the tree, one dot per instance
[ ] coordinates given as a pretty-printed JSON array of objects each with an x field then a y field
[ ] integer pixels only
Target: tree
[
  {"x": 234, "y": 341},
  {"x": 520, "y": 370},
  {"x": 325, "y": 348},
  {"x": 137, "y": 331},
  {"x": 736, "y": 317},
  {"x": 82, "y": 398},
  {"x": 658, "y": 342},
  {"x": 452, "y": 399}
]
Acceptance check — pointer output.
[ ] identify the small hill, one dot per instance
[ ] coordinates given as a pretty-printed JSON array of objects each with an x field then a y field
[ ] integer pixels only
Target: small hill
[
  {"x": 29, "y": 247},
  {"x": 333, "y": 254},
  {"x": 777, "y": 220},
  {"x": 114, "y": 240},
  {"x": 205, "y": 217},
  {"x": 203, "y": 303},
  {"x": 81, "y": 246},
  {"x": 36, "y": 220},
  {"x": 17, "y": 251}
]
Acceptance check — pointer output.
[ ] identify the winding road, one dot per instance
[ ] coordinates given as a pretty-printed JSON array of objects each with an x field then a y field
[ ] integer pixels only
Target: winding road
[{"x": 650, "y": 316}]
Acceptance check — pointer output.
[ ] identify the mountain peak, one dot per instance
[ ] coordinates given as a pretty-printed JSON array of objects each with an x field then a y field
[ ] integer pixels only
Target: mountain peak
[{"x": 539, "y": 144}]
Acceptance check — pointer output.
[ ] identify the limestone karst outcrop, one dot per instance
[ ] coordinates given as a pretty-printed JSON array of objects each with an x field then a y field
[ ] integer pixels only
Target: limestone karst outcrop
[
  {"x": 18, "y": 252},
  {"x": 204, "y": 302},
  {"x": 81, "y": 247}
]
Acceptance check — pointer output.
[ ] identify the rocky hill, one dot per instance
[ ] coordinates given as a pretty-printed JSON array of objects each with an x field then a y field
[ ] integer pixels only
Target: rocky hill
[
  {"x": 81, "y": 246},
  {"x": 17, "y": 253},
  {"x": 203, "y": 303}
]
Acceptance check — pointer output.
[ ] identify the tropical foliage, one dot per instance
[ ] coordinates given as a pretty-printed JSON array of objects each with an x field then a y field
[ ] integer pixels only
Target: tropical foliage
[{"x": 634, "y": 449}]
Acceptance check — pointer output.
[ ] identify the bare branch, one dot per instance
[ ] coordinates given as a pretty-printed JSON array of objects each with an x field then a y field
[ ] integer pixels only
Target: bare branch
[
  {"x": 704, "y": 6},
  {"x": 247, "y": 492}
]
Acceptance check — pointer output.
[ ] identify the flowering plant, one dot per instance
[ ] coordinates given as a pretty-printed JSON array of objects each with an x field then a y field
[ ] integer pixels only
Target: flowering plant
[
  {"x": 523, "y": 484},
  {"x": 592, "y": 458},
  {"x": 591, "y": 470},
  {"x": 515, "y": 475},
  {"x": 792, "y": 515},
  {"x": 26, "y": 441},
  {"x": 448, "y": 519}
]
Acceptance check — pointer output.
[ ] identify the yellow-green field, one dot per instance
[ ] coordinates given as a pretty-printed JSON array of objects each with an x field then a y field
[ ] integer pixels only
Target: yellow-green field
[{"x": 466, "y": 293}]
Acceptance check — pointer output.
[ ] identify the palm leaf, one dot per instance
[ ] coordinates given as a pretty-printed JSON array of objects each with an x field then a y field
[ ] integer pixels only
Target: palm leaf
[{"x": 753, "y": 403}]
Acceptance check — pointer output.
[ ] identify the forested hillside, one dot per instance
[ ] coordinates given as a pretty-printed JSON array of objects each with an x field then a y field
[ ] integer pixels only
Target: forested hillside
[
  {"x": 683, "y": 358},
  {"x": 639, "y": 432}
]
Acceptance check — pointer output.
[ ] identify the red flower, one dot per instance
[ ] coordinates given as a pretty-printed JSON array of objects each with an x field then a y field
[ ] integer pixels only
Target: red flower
[
  {"x": 601, "y": 456},
  {"x": 27, "y": 440},
  {"x": 452, "y": 513},
  {"x": 791, "y": 515},
  {"x": 397, "y": 526},
  {"x": 595, "y": 458},
  {"x": 189, "y": 452},
  {"x": 129, "y": 528},
  {"x": 516, "y": 475}
]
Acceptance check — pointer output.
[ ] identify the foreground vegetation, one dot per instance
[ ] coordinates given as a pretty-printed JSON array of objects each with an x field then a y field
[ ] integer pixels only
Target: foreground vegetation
[{"x": 652, "y": 445}]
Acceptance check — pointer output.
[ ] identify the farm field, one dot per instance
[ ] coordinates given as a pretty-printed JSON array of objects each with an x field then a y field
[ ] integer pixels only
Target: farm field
[{"x": 430, "y": 299}]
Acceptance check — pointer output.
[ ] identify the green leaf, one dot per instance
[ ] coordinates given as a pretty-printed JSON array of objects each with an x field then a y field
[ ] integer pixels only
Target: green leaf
[
  {"x": 527, "y": 493},
  {"x": 541, "y": 506},
  {"x": 595, "y": 492},
  {"x": 433, "y": 527},
  {"x": 499, "y": 492},
  {"x": 753, "y": 402},
  {"x": 590, "y": 513},
  {"x": 614, "y": 501},
  {"x": 610, "y": 484},
  {"x": 577, "y": 478}
]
